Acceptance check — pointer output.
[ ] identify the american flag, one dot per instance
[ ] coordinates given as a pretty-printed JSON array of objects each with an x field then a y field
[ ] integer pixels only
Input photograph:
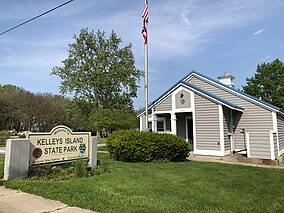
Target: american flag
[
  {"x": 144, "y": 33},
  {"x": 145, "y": 17},
  {"x": 145, "y": 14}
]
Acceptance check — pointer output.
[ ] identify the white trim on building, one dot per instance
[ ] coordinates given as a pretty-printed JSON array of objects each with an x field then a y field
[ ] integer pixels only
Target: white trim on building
[
  {"x": 221, "y": 129},
  {"x": 272, "y": 151},
  {"x": 248, "y": 144},
  {"x": 275, "y": 129}
]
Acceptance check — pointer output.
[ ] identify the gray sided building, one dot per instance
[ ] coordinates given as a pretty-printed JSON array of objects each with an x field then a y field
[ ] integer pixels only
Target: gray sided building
[{"x": 217, "y": 119}]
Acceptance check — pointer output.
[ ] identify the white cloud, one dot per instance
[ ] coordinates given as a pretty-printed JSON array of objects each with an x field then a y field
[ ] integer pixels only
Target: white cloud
[
  {"x": 182, "y": 29},
  {"x": 34, "y": 60},
  {"x": 259, "y": 32},
  {"x": 179, "y": 29}
]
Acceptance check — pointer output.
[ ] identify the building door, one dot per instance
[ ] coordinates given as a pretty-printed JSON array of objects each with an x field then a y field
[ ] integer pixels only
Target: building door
[{"x": 189, "y": 129}]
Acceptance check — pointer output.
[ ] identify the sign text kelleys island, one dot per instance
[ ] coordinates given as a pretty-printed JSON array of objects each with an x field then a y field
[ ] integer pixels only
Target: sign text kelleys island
[{"x": 60, "y": 144}]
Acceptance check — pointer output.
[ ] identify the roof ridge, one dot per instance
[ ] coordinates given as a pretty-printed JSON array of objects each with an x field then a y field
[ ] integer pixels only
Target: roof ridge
[
  {"x": 213, "y": 96},
  {"x": 232, "y": 89},
  {"x": 191, "y": 86}
]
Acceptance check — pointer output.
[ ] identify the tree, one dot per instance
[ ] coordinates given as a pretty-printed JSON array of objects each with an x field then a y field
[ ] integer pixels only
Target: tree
[
  {"x": 10, "y": 106},
  {"x": 51, "y": 111},
  {"x": 268, "y": 83},
  {"x": 102, "y": 77},
  {"x": 24, "y": 110},
  {"x": 98, "y": 72},
  {"x": 113, "y": 119},
  {"x": 27, "y": 108}
]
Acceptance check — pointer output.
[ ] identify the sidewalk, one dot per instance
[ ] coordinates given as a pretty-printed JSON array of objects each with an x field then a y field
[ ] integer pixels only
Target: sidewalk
[
  {"x": 227, "y": 160},
  {"x": 2, "y": 150},
  {"x": 16, "y": 201}
]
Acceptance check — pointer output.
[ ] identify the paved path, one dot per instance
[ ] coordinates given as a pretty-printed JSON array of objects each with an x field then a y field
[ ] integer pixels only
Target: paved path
[
  {"x": 219, "y": 160},
  {"x": 2, "y": 150},
  {"x": 101, "y": 145},
  {"x": 12, "y": 201}
]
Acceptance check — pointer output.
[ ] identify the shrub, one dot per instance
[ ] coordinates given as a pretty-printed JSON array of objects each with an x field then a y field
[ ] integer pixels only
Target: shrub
[
  {"x": 22, "y": 136},
  {"x": 80, "y": 168},
  {"x": 101, "y": 168},
  {"x": 4, "y": 135},
  {"x": 136, "y": 146}
]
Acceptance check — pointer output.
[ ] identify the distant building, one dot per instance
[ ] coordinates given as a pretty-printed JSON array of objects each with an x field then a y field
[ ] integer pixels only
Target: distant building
[{"x": 217, "y": 118}]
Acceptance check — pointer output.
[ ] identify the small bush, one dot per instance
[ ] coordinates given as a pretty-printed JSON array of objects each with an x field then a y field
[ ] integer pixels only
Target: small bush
[
  {"x": 4, "y": 135},
  {"x": 101, "y": 168},
  {"x": 80, "y": 168},
  {"x": 66, "y": 171},
  {"x": 136, "y": 146},
  {"x": 22, "y": 136}
]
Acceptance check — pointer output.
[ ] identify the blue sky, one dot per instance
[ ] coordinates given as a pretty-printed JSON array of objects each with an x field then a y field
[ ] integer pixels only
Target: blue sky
[{"x": 209, "y": 36}]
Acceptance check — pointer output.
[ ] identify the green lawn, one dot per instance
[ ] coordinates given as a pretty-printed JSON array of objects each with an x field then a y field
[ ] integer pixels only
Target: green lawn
[
  {"x": 102, "y": 148},
  {"x": 167, "y": 187},
  {"x": 2, "y": 160},
  {"x": 101, "y": 140}
]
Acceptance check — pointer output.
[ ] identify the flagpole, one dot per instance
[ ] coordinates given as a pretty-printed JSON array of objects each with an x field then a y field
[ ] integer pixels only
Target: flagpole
[
  {"x": 146, "y": 71},
  {"x": 146, "y": 82}
]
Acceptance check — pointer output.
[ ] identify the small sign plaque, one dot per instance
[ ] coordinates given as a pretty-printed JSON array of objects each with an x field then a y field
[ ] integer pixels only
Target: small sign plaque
[{"x": 60, "y": 144}]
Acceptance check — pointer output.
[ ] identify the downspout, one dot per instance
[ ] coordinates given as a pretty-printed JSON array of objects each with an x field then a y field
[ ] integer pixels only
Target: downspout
[{"x": 231, "y": 133}]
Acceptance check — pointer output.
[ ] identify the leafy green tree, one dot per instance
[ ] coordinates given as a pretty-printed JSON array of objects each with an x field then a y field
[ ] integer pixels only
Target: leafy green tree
[
  {"x": 98, "y": 72},
  {"x": 113, "y": 119},
  {"x": 27, "y": 108},
  {"x": 268, "y": 83},
  {"x": 74, "y": 117},
  {"x": 24, "y": 110},
  {"x": 51, "y": 111},
  {"x": 102, "y": 77},
  {"x": 10, "y": 106}
]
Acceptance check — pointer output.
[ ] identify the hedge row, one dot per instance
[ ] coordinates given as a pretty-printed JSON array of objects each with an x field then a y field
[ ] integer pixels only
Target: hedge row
[{"x": 136, "y": 146}]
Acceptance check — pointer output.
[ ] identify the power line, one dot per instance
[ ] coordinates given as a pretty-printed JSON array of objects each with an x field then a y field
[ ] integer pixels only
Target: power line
[{"x": 61, "y": 5}]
